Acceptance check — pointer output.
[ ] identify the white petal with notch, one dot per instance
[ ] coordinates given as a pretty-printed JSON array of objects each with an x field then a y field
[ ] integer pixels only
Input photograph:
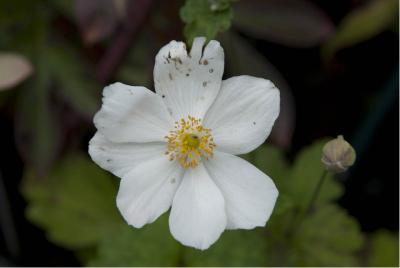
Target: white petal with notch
[{"x": 189, "y": 83}]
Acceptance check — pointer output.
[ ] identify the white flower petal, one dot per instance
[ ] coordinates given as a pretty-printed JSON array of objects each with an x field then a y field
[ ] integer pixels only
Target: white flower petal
[
  {"x": 147, "y": 191},
  {"x": 243, "y": 114},
  {"x": 249, "y": 194},
  {"x": 132, "y": 114},
  {"x": 120, "y": 158},
  {"x": 189, "y": 83},
  {"x": 197, "y": 216}
]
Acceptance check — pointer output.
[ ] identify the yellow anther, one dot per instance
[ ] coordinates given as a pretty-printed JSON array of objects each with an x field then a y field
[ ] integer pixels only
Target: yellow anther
[{"x": 189, "y": 142}]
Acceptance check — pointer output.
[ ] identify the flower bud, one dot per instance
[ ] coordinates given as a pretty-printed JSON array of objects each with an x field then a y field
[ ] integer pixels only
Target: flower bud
[{"x": 338, "y": 155}]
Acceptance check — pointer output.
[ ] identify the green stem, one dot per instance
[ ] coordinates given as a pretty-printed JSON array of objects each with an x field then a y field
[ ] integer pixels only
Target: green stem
[
  {"x": 314, "y": 197},
  {"x": 310, "y": 207}
]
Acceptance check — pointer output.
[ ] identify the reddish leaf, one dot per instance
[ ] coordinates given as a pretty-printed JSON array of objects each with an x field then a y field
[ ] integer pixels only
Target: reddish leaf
[
  {"x": 96, "y": 19},
  {"x": 294, "y": 23}
]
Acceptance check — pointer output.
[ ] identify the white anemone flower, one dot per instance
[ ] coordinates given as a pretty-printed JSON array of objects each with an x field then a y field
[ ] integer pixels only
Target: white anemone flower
[{"x": 176, "y": 148}]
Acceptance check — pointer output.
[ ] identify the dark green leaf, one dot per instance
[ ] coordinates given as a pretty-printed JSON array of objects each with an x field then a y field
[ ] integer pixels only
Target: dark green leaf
[
  {"x": 151, "y": 245},
  {"x": 76, "y": 86},
  {"x": 37, "y": 133},
  {"x": 271, "y": 161},
  {"x": 384, "y": 249},
  {"x": 74, "y": 204},
  {"x": 234, "y": 248},
  {"x": 328, "y": 237},
  {"x": 306, "y": 173}
]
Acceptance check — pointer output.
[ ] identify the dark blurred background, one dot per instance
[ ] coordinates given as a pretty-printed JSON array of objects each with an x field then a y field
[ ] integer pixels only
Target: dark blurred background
[{"x": 331, "y": 85}]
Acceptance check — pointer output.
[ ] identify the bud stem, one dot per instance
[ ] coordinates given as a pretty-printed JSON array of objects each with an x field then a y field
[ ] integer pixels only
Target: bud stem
[
  {"x": 310, "y": 206},
  {"x": 316, "y": 193}
]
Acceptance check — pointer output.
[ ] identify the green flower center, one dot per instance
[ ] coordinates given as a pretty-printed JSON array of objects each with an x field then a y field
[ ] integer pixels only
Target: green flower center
[{"x": 192, "y": 141}]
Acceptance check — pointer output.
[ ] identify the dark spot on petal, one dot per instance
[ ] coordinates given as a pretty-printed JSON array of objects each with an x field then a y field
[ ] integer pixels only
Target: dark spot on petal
[
  {"x": 108, "y": 160},
  {"x": 187, "y": 74},
  {"x": 205, "y": 62},
  {"x": 204, "y": 84},
  {"x": 163, "y": 96},
  {"x": 211, "y": 70},
  {"x": 254, "y": 123},
  {"x": 170, "y": 76}
]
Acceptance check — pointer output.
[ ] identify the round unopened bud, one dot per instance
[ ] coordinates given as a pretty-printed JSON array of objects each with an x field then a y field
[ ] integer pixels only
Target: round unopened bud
[{"x": 338, "y": 155}]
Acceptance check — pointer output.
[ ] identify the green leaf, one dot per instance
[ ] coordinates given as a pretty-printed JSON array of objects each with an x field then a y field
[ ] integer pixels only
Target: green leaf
[
  {"x": 136, "y": 68},
  {"x": 151, "y": 245},
  {"x": 37, "y": 131},
  {"x": 205, "y": 18},
  {"x": 363, "y": 24},
  {"x": 12, "y": 13},
  {"x": 305, "y": 174},
  {"x": 234, "y": 248},
  {"x": 294, "y": 23},
  {"x": 384, "y": 249},
  {"x": 328, "y": 237},
  {"x": 271, "y": 161},
  {"x": 76, "y": 86},
  {"x": 218, "y": 5},
  {"x": 74, "y": 204}
]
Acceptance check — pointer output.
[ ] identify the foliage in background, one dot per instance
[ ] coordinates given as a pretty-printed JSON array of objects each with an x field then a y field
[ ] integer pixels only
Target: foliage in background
[
  {"x": 206, "y": 18},
  {"x": 73, "y": 200},
  {"x": 384, "y": 249},
  {"x": 79, "y": 198},
  {"x": 363, "y": 23},
  {"x": 61, "y": 81}
]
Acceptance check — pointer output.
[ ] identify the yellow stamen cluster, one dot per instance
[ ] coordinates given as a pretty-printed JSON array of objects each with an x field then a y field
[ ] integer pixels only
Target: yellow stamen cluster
[{"x": 189, "y": 142}]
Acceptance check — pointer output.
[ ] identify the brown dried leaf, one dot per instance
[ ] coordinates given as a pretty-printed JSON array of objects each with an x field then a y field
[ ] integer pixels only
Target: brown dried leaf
[{"x": 96, "y": 19}]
